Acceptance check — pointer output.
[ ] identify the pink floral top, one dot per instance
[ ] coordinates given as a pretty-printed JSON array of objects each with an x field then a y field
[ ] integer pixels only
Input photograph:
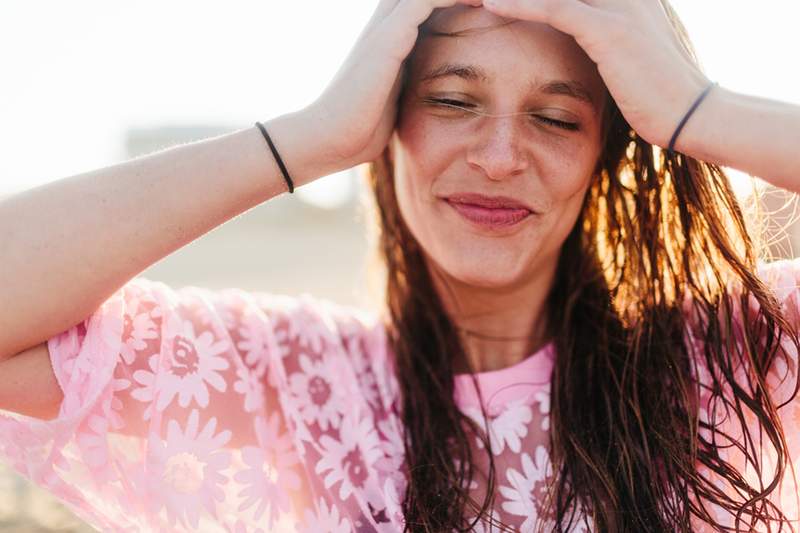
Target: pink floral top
[{"x": 199, "y": 410}]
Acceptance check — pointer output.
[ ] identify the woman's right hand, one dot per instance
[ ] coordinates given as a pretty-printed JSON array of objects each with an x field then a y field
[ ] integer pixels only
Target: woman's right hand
[{"x": 357, "y": 110}]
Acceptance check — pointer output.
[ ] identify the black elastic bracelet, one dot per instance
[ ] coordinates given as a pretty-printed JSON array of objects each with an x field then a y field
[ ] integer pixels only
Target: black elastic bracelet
[
  {"x": 277, "y": 156},
  {"x": 686, "y": 117}
]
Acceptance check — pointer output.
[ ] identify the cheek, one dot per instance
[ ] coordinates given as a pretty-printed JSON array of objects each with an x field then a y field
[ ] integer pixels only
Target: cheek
[
  {"x": 424, "y": 142},
  {"x": 565, "y": 176},
  {"x": 566, "y": 173},
  {"x": 407, "y": 192},
  {"x": 419, "y": 157},
  {"x": 411, "y": 184}
]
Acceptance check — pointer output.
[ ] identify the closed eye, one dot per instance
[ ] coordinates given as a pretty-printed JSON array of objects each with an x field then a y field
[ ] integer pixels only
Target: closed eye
[
  {"x": 572, "y": 126},
  {"x": 449, "y": 102}
]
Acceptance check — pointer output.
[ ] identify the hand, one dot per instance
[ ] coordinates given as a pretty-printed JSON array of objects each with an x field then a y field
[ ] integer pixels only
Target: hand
[
  {"x": 357, "y": 110},
  {"x": 648, "y": 72}
]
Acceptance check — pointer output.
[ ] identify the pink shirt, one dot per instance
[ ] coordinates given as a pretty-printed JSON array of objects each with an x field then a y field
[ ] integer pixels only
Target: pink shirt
[{"x": 199, "y": 410}]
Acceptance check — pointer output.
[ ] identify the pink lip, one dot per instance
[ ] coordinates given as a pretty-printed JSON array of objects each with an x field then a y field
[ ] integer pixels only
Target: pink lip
[
  {"x": 490, "y": 217},
  {"x": 494, "y": 202}
]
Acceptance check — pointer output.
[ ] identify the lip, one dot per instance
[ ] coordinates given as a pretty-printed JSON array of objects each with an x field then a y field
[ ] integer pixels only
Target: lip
[
  {"x": 491, "y": 202},
  {"x": 489, "y": 217}
]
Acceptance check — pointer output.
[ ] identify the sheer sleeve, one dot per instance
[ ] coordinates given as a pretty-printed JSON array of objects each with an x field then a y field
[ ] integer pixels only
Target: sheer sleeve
[
  {"x": 783, "y": 279},
  {"x": 177, "y": 412}
]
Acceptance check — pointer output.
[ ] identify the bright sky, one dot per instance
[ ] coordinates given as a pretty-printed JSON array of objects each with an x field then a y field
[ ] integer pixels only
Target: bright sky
[{"x": 79, "y": 74}]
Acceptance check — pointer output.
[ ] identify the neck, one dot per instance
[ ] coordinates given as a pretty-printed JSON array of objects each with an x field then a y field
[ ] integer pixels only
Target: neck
[{"x": 498, "y": 327}]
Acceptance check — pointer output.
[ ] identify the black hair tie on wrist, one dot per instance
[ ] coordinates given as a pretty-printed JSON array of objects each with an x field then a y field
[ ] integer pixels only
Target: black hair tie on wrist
[
  {"x": 277, "y": 156},
  {"x": 688, "y": 114}
]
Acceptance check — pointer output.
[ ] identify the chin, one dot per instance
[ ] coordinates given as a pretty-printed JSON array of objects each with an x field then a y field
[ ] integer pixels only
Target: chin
[{"x": 478, "y": 272}]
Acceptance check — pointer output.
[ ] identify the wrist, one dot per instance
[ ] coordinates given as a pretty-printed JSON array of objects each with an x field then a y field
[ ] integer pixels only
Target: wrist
[
  {"x": 701, "y": 134},
  {"x": 304, "y": 152},
  {"x": 683, "y": 118}
]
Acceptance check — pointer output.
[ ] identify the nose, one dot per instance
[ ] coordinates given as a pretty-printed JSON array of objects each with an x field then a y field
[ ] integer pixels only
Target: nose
[{"x": 498, "y": 147}]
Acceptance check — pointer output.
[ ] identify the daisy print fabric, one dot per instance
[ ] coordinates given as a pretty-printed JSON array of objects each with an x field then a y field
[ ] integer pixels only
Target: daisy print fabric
[{"x": 198, "y": 410}]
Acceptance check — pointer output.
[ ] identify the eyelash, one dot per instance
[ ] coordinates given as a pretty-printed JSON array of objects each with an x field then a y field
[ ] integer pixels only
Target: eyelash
[{"x": 447, "y": 102}]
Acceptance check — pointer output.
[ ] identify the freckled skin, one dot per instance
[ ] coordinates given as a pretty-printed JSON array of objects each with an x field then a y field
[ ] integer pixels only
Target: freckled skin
[{"x": 496, "y": 271}]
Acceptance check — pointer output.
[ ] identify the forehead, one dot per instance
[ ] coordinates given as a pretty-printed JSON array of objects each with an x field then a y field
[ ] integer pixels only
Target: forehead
[{"x": 510, "y": 51}]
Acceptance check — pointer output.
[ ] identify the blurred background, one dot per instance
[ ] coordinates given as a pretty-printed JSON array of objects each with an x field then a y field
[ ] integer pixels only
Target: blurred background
[{"x": 93, "y": 82}]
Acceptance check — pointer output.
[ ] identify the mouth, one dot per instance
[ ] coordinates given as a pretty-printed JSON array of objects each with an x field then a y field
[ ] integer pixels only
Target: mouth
[
  {"x": 482, "y": 200},
  {"x": 490, "y": 217}
]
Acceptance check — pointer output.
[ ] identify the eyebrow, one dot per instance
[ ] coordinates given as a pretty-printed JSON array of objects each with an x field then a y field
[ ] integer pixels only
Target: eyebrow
[
  {"x": 466, "y": 72},
  {"x": 571, "y": 88}
]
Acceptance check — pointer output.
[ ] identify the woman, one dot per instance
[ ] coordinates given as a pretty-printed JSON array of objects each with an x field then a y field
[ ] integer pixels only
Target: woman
[{"x": 590, "y": 348}]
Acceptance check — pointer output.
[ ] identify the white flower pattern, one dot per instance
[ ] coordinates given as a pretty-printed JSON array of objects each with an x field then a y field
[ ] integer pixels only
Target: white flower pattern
[
  {"x": 198, "y": 410},
  {"x": 137, "y": 331},
  {"x": 507, "y": 428},
  {"x": 270, "y": 475},
  {"x": 326, "y": 519},
  {"x": 523, "y": 492},
  {"x": 542, "y": 397},
  {"x": 250, "y": 385},
  {"x": 314, "y": 393},
  {"x": 349, "y": 459},
  {"x": 193, "y": 362},
  {"x": 186, "y": 469}
]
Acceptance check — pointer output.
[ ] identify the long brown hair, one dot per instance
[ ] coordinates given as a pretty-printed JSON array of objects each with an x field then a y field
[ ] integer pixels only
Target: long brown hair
[{"x": 657, "y": 230}]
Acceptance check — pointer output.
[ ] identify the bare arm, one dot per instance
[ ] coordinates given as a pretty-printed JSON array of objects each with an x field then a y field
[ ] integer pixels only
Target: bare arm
[
  {"x": 753, "y": 134},
  {"x": 68, "y": 245},
  {"x": 29, "y": 385}
]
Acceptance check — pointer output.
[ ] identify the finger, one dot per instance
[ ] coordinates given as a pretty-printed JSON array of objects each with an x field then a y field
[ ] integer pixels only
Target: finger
[
  {"x": 415, "y": 12},
  {"x": 387, "y": 7},
  {"x": 402, "y": 24},
  {"x": 382, "y": 10},
  {"x": 381, "y": 13},
  {"x": 569, "y": 16},
  {"x": 675, "y": 28}
]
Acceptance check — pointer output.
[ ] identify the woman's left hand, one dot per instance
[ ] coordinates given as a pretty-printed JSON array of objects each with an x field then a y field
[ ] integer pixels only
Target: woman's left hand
[{"x": 651, "y": 77}]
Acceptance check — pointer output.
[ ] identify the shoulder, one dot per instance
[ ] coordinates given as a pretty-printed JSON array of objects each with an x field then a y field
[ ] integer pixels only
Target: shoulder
[
  {"x": 781, "y": 279},
  {"x": 160, "y": 329},
  {"x": 307, "y": 324},
  {"x": 325, "y": 345},
  {"x": 310, "y": 323},
  {"x": 309, "y": 342}
]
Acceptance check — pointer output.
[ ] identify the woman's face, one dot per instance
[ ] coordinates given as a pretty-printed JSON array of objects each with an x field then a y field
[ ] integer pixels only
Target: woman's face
[{"x": 438, "y": 151}]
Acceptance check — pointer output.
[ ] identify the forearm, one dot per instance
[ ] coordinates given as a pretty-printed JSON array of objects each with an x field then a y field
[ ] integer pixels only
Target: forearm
[
  {"x": 68, "y": 245},
  {"x": 756, "y": 135}
]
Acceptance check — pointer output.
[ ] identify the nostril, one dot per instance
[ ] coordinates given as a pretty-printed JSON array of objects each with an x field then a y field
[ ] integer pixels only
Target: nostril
[{"x": 498, "y": 159}]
